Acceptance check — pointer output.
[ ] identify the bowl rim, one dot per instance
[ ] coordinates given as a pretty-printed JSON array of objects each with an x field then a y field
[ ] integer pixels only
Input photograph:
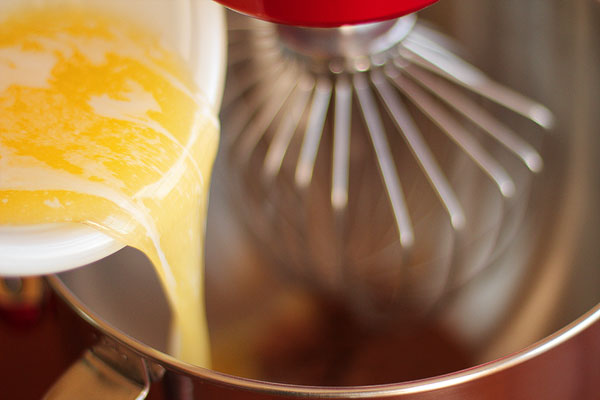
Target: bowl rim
[{"x": 291, "y": 390}]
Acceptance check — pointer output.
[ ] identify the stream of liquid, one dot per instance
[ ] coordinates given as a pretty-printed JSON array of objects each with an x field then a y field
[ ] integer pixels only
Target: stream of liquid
[{"x": 101, "y": 124}]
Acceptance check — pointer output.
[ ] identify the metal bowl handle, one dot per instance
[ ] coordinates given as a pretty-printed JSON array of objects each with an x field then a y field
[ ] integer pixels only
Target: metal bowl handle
[{"x": 107, "y": 371}]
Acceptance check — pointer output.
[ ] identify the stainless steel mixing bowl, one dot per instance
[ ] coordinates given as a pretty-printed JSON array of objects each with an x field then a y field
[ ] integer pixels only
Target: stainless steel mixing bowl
[{"x": 272, "y": 338}]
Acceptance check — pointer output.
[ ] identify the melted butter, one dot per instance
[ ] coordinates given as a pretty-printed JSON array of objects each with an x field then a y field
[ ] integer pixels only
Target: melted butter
[{"x": 100, "y": 124}]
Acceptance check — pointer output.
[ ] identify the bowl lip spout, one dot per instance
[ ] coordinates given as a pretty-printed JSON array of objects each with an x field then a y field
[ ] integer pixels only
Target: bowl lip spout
[{"x": 453, "y": 379}]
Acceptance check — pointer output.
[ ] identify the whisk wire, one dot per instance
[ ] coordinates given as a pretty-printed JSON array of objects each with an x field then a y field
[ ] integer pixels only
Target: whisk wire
[
  {"x": 286, "y": 129},
  {"x": 385, "y": 160},
  {"x": 258, "y": 126},
  {"x": 313, "y": 133},
  {"x": 433, "y": 57},
  {"x": 414, "y": 139},
  {"x": 480, "y": 117},
  {"x": 455, "y": 131},
  {"x": 341, "y": 144},
  {"x": 258, "y": 96}
]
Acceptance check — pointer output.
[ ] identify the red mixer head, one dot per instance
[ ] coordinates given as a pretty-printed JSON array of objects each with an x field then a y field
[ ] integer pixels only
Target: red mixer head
[{"x": 325, "y": 13}]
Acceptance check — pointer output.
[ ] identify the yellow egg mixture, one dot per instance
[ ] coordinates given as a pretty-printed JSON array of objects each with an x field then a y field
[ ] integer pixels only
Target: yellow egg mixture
[{"x": 101, "y": 124}]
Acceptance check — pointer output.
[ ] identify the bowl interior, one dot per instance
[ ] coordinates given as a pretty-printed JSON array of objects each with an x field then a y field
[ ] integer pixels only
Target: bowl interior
[{"x": 266, "y": 327}]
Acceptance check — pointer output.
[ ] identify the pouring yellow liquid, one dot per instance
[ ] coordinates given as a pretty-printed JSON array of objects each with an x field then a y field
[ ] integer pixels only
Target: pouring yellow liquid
[{"x": 100, "y": 124}]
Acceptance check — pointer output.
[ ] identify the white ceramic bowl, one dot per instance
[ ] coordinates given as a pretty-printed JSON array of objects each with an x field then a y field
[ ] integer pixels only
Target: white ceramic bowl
[{"x": 197, "y": 30}]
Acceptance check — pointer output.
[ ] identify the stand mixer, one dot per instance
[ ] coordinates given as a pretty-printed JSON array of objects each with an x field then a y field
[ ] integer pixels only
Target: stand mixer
[{"x": 329, "y": 63}]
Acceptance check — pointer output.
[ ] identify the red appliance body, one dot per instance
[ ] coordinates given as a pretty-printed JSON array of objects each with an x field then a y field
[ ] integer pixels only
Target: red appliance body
[{"x": 325, "y": 13}]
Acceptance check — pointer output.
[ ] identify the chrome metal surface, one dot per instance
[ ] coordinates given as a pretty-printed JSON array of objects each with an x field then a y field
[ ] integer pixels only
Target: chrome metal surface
[
  {"x": 338, "y": 50},
  {"x": 92, "y": 377}
]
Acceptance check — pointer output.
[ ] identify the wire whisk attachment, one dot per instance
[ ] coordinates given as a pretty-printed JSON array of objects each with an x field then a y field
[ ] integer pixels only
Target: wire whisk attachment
[{"x": 373, "y": 161}]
